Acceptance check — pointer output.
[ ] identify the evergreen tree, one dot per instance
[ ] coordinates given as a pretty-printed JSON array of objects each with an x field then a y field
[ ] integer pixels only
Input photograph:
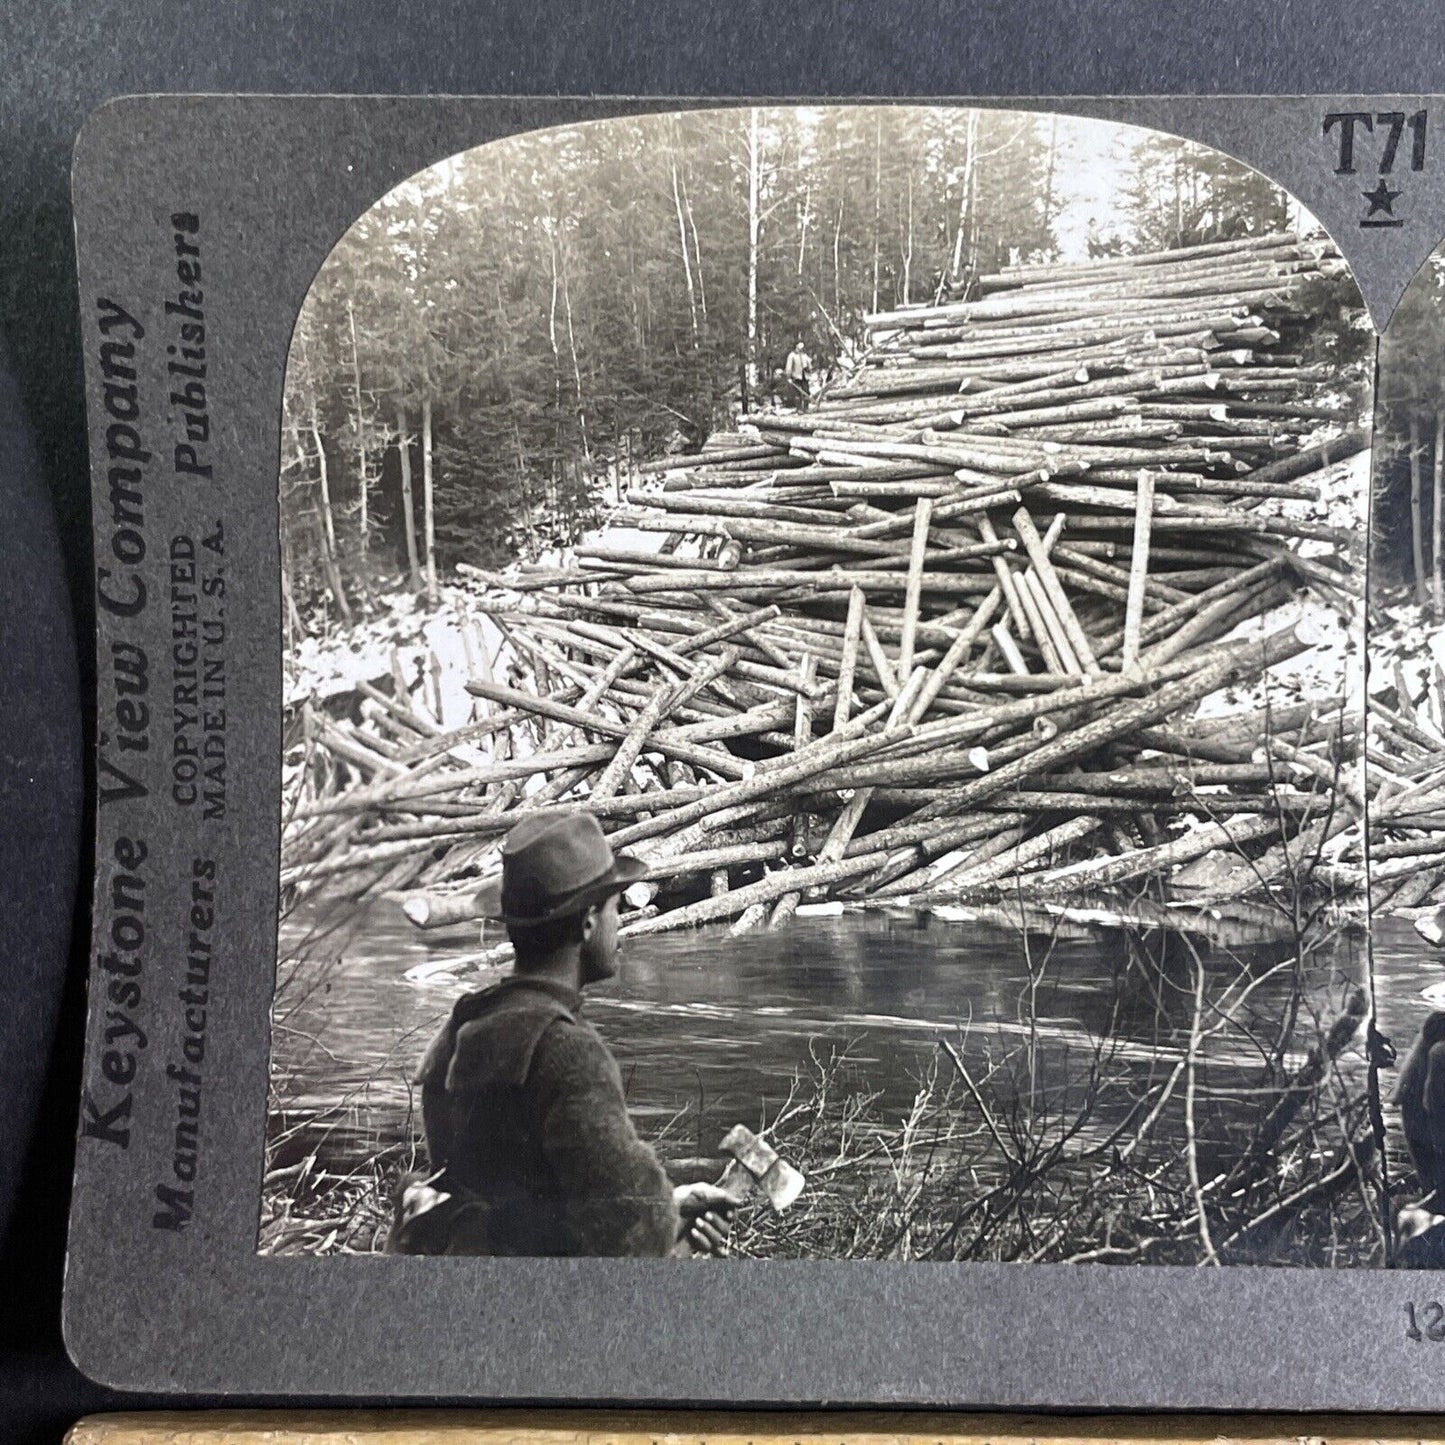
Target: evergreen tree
[{"x": 493, "y": 344}]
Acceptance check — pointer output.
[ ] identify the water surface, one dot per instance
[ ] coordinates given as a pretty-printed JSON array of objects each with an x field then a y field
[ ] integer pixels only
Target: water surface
[{"x": 713, "y": 1030}]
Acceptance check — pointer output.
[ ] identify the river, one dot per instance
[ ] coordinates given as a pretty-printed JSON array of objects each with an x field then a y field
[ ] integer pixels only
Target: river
[{"x": 713, "y": 1030}]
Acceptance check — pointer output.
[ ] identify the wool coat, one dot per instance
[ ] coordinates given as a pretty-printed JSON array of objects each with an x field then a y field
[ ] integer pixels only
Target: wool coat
[{"x": 523, "y": 1109}]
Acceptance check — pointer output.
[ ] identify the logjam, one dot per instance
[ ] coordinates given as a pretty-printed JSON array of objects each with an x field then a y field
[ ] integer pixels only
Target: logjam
[{"x": 946, "y": 634}]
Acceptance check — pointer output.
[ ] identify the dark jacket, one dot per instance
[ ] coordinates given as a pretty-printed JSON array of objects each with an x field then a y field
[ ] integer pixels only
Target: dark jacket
[{"x": 522, "y": 1104}]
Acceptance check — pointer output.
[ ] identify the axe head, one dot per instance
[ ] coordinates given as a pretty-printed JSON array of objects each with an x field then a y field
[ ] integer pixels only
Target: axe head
[{"x": 755, "y": 1164}]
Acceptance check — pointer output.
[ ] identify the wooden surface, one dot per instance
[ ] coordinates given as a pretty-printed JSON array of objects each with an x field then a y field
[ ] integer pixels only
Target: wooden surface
[{"x": 616, "y": 1427}]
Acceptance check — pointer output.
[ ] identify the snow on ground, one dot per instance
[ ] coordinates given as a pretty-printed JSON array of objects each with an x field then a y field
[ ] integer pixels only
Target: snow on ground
[
  {"x": 1407, "y": 637},
  {"x": 1334, "y": 662},
  {"x": 1332, "y": 665},
  {"x": 332, "y": 665}
]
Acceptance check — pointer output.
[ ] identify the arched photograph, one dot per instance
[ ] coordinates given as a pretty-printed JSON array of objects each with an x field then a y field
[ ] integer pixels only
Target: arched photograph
[
  {"x": 823, "y": 705},
  {"x": 1405, "y": 771}
]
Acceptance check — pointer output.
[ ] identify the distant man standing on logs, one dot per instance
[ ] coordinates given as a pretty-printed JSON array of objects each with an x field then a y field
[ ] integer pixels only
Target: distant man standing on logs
[
  {"x": 798, "y": 368},
  {"x": 526, "y": 1123}
]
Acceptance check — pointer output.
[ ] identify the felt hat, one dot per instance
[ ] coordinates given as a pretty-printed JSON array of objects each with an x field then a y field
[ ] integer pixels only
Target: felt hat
[{"x": 555, "y": 865}]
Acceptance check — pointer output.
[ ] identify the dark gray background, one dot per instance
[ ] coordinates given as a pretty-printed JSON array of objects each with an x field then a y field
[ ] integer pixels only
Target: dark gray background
[{"x": 63, "y": 59}]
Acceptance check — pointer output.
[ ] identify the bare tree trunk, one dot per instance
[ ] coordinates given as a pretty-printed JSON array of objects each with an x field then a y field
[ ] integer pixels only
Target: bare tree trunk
[
  {"x": 557, "y": 436},
  {"x": 973, "y": 218},
  {"x": 696, "y": 254},
  {"x": 363, "y": 512},
  {"x": 686, "y": 259},
  {"x": 1178, "y": 202},
  {"x": 965, "y": 205},
  {"x": 755, "y": 177},
  {"x": 837, "y": 266},
  {"x": 1417, "y": 525},
  {"x": 328, "y": 525},
  {"x": 908, "y": 248},
  {"x": 1437, "y": 502},
  {"x": 803, "y": 227},
  {"x": 333, "y": 582},
  {"x": 294, "y": 625},
  {"x": 427, "y": 512},
  {"x": 1049, "y": 175},
  {"x": 323, "y": 476},
  {"x": 408, "y": 510},
  {"x": 576, "y": 365},
  {"x": 877, "y": 199},
  {"x": 701, "y": 292}
]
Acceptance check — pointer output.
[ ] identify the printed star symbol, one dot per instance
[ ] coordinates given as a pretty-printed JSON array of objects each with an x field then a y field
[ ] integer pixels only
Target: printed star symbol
[{"x": 1382, "y": 198}]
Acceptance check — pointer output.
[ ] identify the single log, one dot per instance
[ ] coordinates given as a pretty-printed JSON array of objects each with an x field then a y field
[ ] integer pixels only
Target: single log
[
  {"x": 1053, "y": 589},
  {"x": 913, "y": 593},
  {"x": 1016, "y": 861},
  {"x": 785, "y": 880},
  {"x": 850, "y": 742},
  {"x": 1010, "y": 649},
  {"x": 664, "y": 742},
  {"x": 639, "y": 736},
  {"x": 442, "y": 910},
  {"x": 1096, "y": 873},
  {"x": 1138, "y": 570},
  {"x": 882, "y": 667},
  {"x": 691, "y": 460},
  {"x": 848, "y": 665}
]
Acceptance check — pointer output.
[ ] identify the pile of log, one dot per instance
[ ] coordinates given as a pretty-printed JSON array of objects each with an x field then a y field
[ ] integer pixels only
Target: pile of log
[
  {"x": 942, "y": 636},
  {"x": 1406, "y": 773}
]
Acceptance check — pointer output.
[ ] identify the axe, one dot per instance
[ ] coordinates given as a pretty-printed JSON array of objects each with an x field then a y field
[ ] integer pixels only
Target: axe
[{"x": 755, "y": 1164}]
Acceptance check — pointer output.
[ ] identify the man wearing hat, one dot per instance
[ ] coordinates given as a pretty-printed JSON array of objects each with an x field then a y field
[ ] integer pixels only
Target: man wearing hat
[
  {"x": 526, "y": 1123},
  {"x": 798, "y": 368}
]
